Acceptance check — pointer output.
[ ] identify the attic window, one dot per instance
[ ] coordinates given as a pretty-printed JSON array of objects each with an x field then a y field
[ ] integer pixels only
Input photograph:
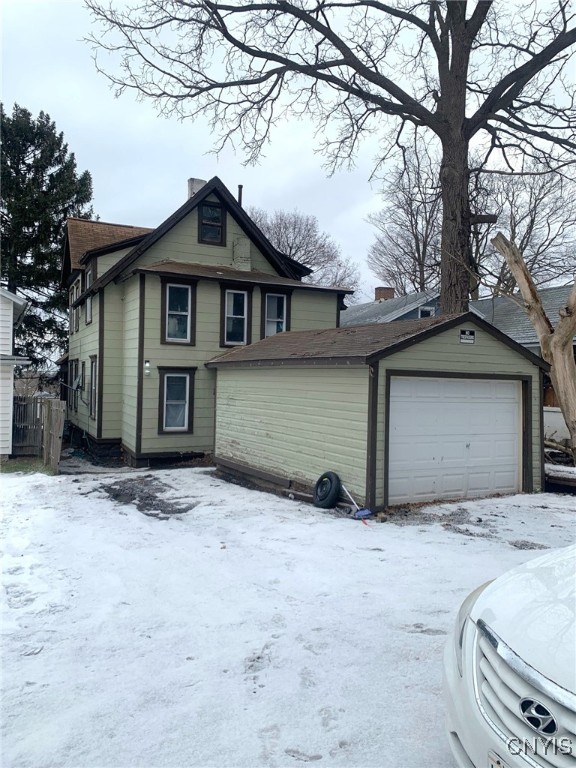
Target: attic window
[
  {"x": 426, "y": 312},
  {"x": 211, "y": 224}
]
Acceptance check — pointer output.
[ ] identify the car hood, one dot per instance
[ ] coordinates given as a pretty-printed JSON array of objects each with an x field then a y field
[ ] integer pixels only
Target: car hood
[{"x": 533, "y": 610}]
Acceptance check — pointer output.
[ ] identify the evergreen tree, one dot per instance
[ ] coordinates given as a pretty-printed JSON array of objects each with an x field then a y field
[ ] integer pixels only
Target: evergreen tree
[{"x": 40, "y": 189}]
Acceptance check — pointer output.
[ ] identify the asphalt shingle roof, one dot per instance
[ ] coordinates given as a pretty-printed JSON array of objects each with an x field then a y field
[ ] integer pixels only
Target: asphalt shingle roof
[
  {"x": 86, "y": 235},
  {"x": 359, "y": 342},
  {"x": 227, "y": 273},
  {"x": 385, "y": 309},
  {"x": 506, "y": 313}
]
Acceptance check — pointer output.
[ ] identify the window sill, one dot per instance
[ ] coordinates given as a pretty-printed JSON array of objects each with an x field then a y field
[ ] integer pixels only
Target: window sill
[
  {"x": 177, "y": 343},
  {"x": 175, "y": 432}
]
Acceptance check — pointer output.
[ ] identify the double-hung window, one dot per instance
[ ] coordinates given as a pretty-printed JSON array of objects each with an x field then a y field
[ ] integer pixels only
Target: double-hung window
[
  {"x": 211, "y": 224},
  {"x": 75, "y": 384},
  {"x": 71, "y": 309},
  {"x": 275, "y": 313},
  {"x": 178, "y": 312},
  {"x": 236, "y": 318},
  {"x": 176, "y": 399},
  {"x": 76, "y": 310},
  {"x": 93, "y": 386},
  {"x": 89, "y": 281}
]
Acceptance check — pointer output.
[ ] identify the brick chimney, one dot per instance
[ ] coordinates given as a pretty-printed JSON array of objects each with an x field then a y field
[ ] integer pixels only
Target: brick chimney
[
  {"x": 383, "y": 292},
  {"x": 194, "y": 185}
]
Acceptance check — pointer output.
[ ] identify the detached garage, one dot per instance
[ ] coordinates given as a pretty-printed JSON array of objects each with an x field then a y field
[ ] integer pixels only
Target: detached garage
[{"x": 441, "y": 408}]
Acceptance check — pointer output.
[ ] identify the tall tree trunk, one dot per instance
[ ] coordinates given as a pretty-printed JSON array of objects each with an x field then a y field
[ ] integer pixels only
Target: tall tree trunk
[{"x": 455, "y": 259}]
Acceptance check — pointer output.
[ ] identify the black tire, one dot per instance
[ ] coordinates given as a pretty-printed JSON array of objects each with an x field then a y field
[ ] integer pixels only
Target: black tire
[{"x": 327, "y": 490}]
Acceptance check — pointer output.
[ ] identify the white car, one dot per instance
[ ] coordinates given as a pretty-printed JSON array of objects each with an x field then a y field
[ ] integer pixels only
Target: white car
[{"x": 510, "y": 669}]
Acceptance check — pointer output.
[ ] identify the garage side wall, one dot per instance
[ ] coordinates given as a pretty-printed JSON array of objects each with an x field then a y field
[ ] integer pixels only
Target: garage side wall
[
  {"x": 295, "y": 423},
  {"x": 446, "y": 354}
]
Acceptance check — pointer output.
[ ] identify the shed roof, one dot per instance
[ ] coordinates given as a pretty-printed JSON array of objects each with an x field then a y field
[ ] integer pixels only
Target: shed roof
[{"x": 353, "y": 345}]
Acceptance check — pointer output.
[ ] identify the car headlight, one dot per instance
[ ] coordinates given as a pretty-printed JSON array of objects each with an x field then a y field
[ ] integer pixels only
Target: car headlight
[{"x": 462, "y": 620}]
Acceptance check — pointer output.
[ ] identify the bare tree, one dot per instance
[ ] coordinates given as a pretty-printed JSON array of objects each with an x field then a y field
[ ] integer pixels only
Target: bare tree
[
  {"x": 406, "y": 251},
  {"x": 538, "y": 210},
  {"x": 494, "y": 75},
  {"x": 298, "y": 235},
  {"x": 556, "y": 344}
]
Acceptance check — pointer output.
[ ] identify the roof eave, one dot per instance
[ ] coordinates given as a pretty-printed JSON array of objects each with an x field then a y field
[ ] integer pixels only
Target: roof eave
[
  {"x": 468, "y": 317},
  {"x": 111, "y": 248},
  {"x": 233, "y": 279},
  {"x": 284, "y": 362},
  {"x": 214, "y": 186}
]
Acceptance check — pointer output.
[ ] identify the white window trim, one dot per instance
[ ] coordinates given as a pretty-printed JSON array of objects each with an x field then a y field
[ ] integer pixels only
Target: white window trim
[
  {"x": 71, "y": 310},
  {"x": 172, "y": 339},
  {"x": 267, "y": 319},
  {"x": 245, "y": 316},
  {"x": 76, "y": 311},
  {"x": 184, "y": 428},
  {"x": 430, "y": 309},
  {"x": 89, "y": 281}
]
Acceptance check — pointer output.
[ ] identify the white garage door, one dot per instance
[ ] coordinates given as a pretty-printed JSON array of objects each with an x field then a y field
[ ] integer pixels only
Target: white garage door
[{"x": 453, "y": 438}]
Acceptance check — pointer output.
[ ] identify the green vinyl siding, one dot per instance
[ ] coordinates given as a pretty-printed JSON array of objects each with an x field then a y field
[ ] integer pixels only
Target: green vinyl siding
[
  {"x": 181, "y": 356},
  {"x": 82, "y": 344},
  {"x": 295, "y": 422},
  {"x": 106, "y": 262},
  {"x": 380, "y": 432},
  {"x": 206, "y": 347},
  {"x": 181, "y": 244},
  {"x": 112, "y": 379},
  {"x": 131, "y": 306},
  {"x": 446, "y": 354},
  {"x": 313, "y": 309}
]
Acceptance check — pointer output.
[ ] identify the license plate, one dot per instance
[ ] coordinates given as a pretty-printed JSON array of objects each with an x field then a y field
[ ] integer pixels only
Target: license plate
[{"x": 494, "y": 761}]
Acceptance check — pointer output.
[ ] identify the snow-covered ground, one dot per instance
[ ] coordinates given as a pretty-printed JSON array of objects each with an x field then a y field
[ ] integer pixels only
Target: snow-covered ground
[{"x": 247, "y": 631}]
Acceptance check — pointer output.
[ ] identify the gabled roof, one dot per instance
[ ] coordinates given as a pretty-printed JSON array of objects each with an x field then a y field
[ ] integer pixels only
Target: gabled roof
[
  {"x": 386, "y": 310},
  {"x": 19, "y": 302},
  {"x": 85, "y": 235},
  {"x": 354, "y": 345},
  {"x": 507, "y": 313},
  {"x": 285, "y": 266}
]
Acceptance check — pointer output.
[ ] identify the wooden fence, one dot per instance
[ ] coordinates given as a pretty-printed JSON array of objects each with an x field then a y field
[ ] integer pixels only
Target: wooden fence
[
  {"x": 27, "y": 426},
  {"x": 38, "y": 427}
]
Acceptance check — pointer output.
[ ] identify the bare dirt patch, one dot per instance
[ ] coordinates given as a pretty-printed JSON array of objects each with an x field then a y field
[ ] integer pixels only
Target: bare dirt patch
[{"x": 148, "y": 495}]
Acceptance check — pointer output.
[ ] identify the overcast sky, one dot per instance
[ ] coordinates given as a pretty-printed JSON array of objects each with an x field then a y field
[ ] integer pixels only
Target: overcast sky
[{"x": 140, "y": 162}]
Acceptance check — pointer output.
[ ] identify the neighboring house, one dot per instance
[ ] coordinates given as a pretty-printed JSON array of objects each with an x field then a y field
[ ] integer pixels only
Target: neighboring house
[
  {"x": 12, "y": 308},
  {"x": 149, "y": 307},
  {"x": 387, "y": 307},
  {"x": 506, "y": 313},
  {"x": 417, "y": 410}
]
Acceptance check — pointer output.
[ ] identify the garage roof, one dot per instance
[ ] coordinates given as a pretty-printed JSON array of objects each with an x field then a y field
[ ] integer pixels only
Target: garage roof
[{"x": 354, "y": 345}]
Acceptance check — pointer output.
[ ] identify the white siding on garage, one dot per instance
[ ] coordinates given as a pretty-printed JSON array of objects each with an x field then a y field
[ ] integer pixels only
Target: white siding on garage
[{"x": 453, "y": 438}]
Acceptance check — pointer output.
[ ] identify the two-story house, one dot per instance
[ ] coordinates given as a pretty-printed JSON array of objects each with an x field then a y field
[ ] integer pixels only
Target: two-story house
[{"x": 149, "y": 307}]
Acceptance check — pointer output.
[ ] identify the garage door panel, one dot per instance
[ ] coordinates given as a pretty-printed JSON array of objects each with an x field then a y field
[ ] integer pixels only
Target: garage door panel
[{"x": 453, "y": 438}]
